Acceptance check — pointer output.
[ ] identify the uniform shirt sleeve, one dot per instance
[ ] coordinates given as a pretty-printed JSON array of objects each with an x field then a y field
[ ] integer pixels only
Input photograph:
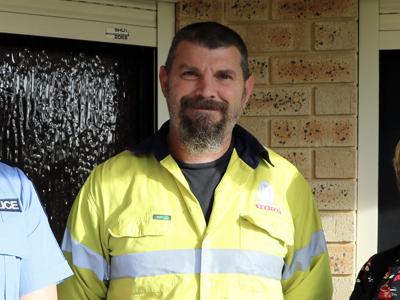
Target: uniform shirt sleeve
[
  {"x": 44, "y": 263},
  {"x": 306, "y": 273}
]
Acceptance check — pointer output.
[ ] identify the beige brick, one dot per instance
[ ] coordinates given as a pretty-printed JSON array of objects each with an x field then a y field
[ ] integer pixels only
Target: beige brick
[
  {"x": 338, "y": 227},
  {"x": 335, "y": 35},
  {"x": 335, "y": 100},
  {"x": 341, "y": 258},
  {"x": 259, "y": 68},
  {"x": 246, "y": 10},
  {"x": 342, "y": 287},
  {"x": 280, "y": 101},
  {"x": 258, "y": 126},
  {"x": 313, "y": 68},
  {"x": 200, "y": 9},
  {"x": 335, "y": 163},
  {"x": 313, "y": 132},
  {"x": 301, "y": 158},
  {"x": 334, "y": 194},
  {"x": 182, "y": 22},
  {"x": 275, "y": 37},
  {"x": 301, "y": 9}
]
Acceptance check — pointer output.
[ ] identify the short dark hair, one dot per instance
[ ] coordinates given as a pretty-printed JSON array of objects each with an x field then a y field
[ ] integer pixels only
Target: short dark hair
[{"x": 211, "y": 35}]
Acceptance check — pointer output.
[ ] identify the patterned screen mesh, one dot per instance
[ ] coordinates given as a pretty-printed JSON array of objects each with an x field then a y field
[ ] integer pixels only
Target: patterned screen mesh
[{"x": 66, "y": 106}]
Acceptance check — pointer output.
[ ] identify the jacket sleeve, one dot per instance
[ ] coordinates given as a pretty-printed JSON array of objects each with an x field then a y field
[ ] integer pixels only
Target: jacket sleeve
[
  {"x": 83, "y": 247},
  {"x": 306, "y": 273}
]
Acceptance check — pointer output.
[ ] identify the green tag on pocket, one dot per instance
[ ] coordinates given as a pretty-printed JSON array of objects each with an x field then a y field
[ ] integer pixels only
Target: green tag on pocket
[{"x": 162, "y": 217}]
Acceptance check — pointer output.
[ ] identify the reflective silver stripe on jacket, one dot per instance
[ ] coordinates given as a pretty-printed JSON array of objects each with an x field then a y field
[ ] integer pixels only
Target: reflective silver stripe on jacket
[
  {"x": 302, "y": 257},
  {"x": 195, "y": 261},
  {"x": 85, "y": 258}
]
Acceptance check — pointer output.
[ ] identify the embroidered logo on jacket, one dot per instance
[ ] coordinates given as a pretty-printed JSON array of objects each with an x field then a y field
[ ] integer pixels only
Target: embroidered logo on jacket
[
  {"x": 9, "y": 205},
  {"x": 265, "y": 200}
]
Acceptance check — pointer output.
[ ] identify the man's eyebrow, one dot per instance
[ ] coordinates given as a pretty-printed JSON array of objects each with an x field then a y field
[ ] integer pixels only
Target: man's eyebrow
[
  {"x": 226, "y": 71},
  {"x": 186, "y": 66}
]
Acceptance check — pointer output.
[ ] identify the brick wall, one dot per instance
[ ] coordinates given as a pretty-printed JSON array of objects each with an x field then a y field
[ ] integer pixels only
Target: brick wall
[{"x": 304, "y": 56}]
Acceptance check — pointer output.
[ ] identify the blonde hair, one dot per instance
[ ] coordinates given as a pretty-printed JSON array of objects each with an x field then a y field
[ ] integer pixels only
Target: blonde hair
[{"x": 396, "y": 163}]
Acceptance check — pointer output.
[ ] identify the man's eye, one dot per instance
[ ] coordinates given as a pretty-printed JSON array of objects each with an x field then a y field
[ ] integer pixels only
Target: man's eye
[
  {"x": 224, "y": 76},
  {"x": 189, "y": 74}
]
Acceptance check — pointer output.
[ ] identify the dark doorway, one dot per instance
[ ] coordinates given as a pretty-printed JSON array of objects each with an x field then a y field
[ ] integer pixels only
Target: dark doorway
[
  {"x": 66, "y": 106},
  {"x": 389, "y": 133}
]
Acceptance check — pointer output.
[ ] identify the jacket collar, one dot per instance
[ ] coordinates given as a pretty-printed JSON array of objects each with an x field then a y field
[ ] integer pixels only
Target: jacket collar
[{"x": 247, "y": 146}]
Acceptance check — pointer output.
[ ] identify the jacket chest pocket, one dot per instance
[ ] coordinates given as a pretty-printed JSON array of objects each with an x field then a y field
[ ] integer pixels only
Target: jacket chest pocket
[
  {"x": 12, "y": 251},
  {"x": 139, "y": 257},
  {"x": 264, "y": 241},
  {"x": 131, "y": 235},
  {"x": 269, "y": 233}
]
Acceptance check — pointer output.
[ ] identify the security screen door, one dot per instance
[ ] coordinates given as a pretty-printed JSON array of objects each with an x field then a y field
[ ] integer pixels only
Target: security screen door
[{"x": 67, "y": 105}]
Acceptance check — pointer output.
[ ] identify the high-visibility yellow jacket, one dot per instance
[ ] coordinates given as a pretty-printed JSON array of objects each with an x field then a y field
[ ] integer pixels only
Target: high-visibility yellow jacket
[{"x": 136, "y": 231}]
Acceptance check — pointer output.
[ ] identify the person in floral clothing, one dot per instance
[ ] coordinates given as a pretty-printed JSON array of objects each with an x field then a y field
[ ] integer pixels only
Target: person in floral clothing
[{"x": 379, "y": 278}]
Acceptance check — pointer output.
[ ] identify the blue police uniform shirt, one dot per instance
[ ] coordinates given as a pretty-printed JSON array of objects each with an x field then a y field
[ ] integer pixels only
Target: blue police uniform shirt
[{"x": 30, "y": 258}]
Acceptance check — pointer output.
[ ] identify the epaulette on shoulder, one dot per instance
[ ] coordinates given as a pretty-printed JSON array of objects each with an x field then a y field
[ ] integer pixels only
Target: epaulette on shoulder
[{"x": 8, "y": 162}]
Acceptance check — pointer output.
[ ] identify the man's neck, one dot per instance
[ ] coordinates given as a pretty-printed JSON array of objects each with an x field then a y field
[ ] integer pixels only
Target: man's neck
[{"x": 179, "y": 151}]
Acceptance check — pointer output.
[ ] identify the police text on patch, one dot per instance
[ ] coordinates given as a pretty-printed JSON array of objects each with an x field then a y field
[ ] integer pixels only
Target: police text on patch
[{"x": 9, "y": 205}]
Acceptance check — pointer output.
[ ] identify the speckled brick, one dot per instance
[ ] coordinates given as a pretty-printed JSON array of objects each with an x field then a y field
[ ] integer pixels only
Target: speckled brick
[
  {"x": 313, "y": 68},
  {"x": 335, "y": 163},
  {"x": 259, "y": 68},
  {"x": 313, "y": 132},
  {"x": 279, "y": 101},
  {"x": 339, "y": 227},
  {"x": 335, "y": 35},
  {"x": 246, "y": 10},
  {"x": 276, "y": 37},
  {"x": 258, "y": 126},
  {"x": 342, "y": 287},
  {"x": 336, "y": 100},
  {"x": 201, "y": 9},
  {"x": 301, "y": 158},
  {"x": 334, "y": 194},
  {"x": 302, "y": 9},
  {"x": 341, "y": 258}
]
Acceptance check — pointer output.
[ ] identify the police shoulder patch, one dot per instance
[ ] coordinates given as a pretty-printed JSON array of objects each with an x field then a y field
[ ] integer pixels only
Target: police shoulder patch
[{"x": 10, "y": 205}]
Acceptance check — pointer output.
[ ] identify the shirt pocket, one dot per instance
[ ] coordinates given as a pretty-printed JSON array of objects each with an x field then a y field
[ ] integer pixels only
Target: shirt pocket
[
  {"x": 138, "y": 249},
  {"x": 12, "y": 251},
  {"x": 133, "y": 235},
  {"x": 270, "y": 233},
  {"x": 264, "y": 240}
]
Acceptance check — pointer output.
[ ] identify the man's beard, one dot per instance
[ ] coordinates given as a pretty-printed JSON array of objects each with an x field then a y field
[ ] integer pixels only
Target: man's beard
[{"x": 200, "y": 133}]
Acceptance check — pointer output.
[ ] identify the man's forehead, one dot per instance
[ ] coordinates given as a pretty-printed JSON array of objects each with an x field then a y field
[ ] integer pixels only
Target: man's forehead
[{"x": 188, "y": 52}]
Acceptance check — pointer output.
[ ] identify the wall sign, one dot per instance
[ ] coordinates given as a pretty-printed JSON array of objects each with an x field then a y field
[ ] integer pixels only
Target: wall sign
[{"x": 117, "y": 33}]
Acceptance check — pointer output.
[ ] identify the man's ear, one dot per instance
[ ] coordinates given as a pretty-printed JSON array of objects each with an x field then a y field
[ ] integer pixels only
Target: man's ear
[
  {"x": 163, "y": 76},
  {"x": 248, "y": 90}
]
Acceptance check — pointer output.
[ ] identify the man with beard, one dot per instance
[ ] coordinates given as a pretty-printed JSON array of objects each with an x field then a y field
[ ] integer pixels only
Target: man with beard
[{"x": 201, "y": 210}]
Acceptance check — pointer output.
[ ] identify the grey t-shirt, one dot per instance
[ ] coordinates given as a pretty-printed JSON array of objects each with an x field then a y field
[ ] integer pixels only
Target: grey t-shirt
[{"x": 203, "y": 179}]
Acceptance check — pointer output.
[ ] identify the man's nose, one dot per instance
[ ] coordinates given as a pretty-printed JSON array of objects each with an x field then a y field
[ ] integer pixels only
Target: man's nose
[{"x": 207, "y": 87}]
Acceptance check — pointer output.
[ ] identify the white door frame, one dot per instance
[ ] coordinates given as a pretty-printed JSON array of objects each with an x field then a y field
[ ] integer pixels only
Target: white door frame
[{"x": 368, "y": 131}]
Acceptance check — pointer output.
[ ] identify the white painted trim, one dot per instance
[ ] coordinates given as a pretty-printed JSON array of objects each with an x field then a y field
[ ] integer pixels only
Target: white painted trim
[
  {"x": 389, "y": 40},
  {"x": 75, "y": 29},
  {"x": 389, "y": 6},
  {"x": 368, "y": 127},
  {"x": 166, "y": 31},
  {"x": 389, "y": 22},
  {"x": 82, "y": 21},
  {"x": 144, "y": 17}
]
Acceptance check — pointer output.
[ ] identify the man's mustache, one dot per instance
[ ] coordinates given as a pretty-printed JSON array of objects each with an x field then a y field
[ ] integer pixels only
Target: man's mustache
[{"x": 203, "y": 103}]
